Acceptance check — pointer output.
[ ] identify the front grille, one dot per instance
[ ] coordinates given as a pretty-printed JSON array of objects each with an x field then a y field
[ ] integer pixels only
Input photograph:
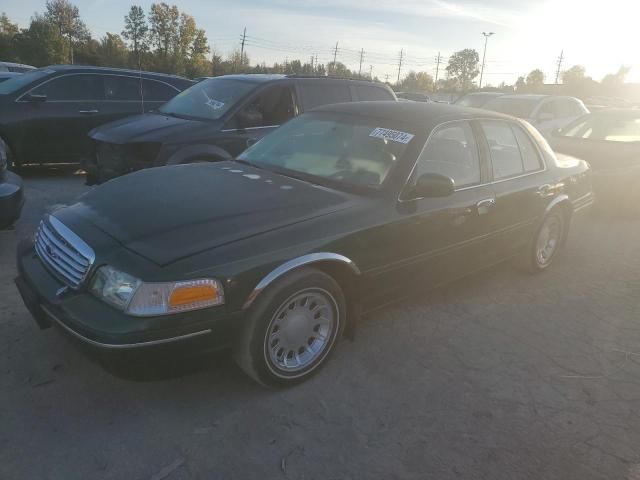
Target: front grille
[{"x": 64, "y": 253}]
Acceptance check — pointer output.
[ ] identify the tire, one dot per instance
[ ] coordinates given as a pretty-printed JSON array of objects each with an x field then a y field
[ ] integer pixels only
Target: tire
[
  {"x": 549, "y": 239},
  {"x": 281, "y": 344}
]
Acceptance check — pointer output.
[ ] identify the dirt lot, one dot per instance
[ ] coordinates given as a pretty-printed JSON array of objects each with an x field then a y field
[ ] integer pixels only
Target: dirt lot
[{"x": 500, "y": 376}]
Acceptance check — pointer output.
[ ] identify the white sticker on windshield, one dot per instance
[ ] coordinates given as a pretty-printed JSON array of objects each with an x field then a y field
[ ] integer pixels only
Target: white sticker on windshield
[
  {"x": 215, "y": 104},
  {"x": 393, "y": 135}
]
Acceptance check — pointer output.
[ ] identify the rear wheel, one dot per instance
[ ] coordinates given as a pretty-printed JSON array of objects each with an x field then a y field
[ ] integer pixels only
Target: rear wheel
[
  {"x": 546, "y": 244},
  {"x": 292, "y": 328}
]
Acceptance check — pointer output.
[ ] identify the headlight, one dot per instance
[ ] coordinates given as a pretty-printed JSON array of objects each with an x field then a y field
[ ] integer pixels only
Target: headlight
[{"x": 142, "y": 299}]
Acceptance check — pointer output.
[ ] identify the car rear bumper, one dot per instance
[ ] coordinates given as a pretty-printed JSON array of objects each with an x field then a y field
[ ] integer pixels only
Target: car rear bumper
[
  {"x": 11, "y": 198},
  {"x": 99, "y": 326}
]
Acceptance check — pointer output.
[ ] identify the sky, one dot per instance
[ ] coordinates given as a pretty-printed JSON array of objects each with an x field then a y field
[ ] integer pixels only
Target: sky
[{"x": 528, "y": 34}]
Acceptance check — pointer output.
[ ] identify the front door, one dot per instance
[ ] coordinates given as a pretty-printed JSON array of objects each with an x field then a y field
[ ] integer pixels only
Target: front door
[
  {"x": 262, "y": 114},
  {"x": 436, "y": 240}
]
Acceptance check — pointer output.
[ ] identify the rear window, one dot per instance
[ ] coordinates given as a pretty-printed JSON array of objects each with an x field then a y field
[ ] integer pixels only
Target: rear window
[
  {"x": 316, "y": 93},
  {"x": 371, "y": 93},
  {"x": 608, "y": 128}
]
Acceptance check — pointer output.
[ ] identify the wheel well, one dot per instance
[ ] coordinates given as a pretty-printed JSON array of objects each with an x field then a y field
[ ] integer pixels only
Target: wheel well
[{"x": 350, "y": 284}]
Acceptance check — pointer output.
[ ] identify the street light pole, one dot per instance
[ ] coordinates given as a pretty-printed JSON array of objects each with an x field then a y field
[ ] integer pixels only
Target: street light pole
[{"x": 484, "y": 55}]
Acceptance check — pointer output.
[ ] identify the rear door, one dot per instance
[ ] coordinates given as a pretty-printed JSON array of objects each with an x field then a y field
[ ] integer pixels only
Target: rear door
[
  {"x": 122, "y": 98},
  {"x": 520, "y": 184},
  {"x": 58, "y": 127}
]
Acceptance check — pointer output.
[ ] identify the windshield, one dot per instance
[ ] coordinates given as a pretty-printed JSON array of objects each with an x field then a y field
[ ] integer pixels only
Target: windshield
[
  {"x": 16, "y": 83},
  {"x": 608, "y": 128},
  {"x": 209, "y": 99},
  {"x": 342, "y": 149},
  {"x": 517, "y": 107}
]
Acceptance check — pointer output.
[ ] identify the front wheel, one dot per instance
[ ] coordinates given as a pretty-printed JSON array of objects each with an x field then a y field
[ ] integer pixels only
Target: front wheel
[
  {"x": 546, "y": 244},
  {"x": 292, "y": 328}
]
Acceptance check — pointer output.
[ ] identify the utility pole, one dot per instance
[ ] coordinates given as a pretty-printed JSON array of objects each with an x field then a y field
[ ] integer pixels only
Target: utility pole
[
  {"x": 244, "y": 38},
  {"x": 370, "y": 72},
  {"x": 484, "y": 55},
  {"x": 400, "y": 65},
  {"x": 361, "y": 58},
  {"x": 335, "y": 56},
  {"x": 560, "y": 60},
  {"x": 386, "y": 78},
  {"x": 438, "y": 59}
]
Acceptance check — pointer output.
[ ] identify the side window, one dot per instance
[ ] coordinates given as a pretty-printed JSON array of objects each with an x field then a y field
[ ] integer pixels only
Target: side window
[
  {"x": 70, "y": 88},
  {"x": 528, "y": 151},
  {"x": 154, "y": 91},
  {"x": 371, "y": 93},
  {"x": 323, "y": 92},
  {"x": 271, "y": 107},
  {"x": 505, "y": 154},
  {"x": 451, "y": 151},
  {"x": 121, "y": 89},
  {"x": 548, "y": 108}
]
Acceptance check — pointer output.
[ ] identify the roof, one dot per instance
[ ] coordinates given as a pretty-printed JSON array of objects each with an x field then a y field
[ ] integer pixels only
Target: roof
[
  {"x": 110, "y": 69},
  {"x": 429, "y": 114},
  {"x": 484, "y": 94},
  {"x": 526, "y": 96},
  {"x": 270, "y": 77},
  {"x": 618, "y": 112}
]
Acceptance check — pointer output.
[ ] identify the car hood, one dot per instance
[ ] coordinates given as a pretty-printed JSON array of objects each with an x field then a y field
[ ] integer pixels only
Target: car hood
[
  {"x": 150, "y": 127},
  {"x": 169, "y": 213}
]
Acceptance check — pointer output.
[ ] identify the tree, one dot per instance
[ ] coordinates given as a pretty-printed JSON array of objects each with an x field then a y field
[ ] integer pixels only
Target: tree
[
  {"x": 613, "y": 83},
  {"x": 41, "y": 43},
  {"x": 521, "y": 85},
  {"x": 65, "y": 17},
  {"x": 164, "y": 21},
  {"x": 136, "y": 31},
  {"x": 577, "y": 83},
  {"x": 535, "y": 81},
  {"x": 463, "y": 65},
  {"x": 112, "y": 51},
  {"x": 417, "y": 82},
  {"x": 8, "y": 32}
]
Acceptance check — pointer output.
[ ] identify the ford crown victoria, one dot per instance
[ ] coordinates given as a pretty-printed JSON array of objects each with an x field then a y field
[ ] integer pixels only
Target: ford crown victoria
[{"x": 276, "y": 253}]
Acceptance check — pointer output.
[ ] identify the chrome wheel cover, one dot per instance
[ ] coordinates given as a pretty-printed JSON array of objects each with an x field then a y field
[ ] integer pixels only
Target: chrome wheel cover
[
  {"x": 301, "y": 332},
  {"x": 548, "y": 241}
]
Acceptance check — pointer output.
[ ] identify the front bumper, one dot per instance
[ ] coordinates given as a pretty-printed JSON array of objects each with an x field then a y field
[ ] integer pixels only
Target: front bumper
[
  {"x": 102, "y": 327},
  {"x": 11, "y": 198}
]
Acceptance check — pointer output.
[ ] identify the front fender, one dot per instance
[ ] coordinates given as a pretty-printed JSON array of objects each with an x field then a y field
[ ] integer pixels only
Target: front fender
[{"x": 195, "y": 151}]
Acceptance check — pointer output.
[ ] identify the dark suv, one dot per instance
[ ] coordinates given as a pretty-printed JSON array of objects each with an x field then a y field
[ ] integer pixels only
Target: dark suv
[
  {"x": 45, "y": 114},
  {"x": 216, "y": 119}
]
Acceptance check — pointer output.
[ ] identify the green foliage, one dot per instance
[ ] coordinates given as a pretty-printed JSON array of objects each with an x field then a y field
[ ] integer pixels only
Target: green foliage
[
  {"x": 417, "y": 82},
  {"x": 463, "y": 66}
]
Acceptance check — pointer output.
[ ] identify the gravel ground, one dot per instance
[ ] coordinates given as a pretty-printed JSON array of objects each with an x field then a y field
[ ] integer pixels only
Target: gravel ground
[{"x": 499, "y": 376}]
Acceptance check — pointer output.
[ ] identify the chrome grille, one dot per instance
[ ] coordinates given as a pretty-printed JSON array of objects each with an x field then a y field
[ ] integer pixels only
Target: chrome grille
[{"x": 63, "y": 252}]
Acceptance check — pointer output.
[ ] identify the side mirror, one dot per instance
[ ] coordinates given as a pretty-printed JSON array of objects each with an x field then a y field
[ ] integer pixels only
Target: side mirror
[
  {"x": 432, "y": 185},
  {"x": 545, "y": 117},
  {"x": 30, "y": 97}
]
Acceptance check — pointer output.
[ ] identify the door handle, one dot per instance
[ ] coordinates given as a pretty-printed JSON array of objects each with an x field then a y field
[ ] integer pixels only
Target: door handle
[
  {"x": 88, "y": 112},
  {"x": 483, "y": 206}
]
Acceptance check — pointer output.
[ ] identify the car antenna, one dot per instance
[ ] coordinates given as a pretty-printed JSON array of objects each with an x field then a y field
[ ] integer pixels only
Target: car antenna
[{"x": 140, "y": 77}]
